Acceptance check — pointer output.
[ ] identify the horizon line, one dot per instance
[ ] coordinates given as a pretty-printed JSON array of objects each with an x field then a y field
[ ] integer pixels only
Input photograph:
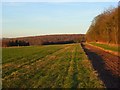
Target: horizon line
[{"x": 45, "y": 35}]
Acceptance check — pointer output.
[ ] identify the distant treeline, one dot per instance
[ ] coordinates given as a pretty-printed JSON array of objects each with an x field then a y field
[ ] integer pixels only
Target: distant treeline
[
  {"x": 104, "y": 27},
  {"x": 43, "y": 40},
  {"x": 18, "y": 43}
]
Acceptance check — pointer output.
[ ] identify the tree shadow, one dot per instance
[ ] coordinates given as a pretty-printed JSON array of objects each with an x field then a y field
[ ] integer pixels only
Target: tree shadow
[{"x": 98, "y": 64}]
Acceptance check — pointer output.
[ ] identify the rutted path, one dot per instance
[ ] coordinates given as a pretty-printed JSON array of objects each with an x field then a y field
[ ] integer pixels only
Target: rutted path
[{"x": 106, "y": 64}]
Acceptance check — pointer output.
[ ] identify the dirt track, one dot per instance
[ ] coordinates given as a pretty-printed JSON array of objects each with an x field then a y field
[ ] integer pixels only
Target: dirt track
[{"x": 106, "y": 65}]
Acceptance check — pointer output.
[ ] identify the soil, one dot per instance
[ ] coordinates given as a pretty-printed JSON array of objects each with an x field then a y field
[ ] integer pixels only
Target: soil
[{"x": 106, "y": 65}]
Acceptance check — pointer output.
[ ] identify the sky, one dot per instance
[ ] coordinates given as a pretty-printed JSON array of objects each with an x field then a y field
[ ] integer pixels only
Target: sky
[{"x": 20, "y": 19}]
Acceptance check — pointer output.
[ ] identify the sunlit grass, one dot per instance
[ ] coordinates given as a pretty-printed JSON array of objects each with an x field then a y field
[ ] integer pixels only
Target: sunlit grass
[
  {"x": 107, "y": 47},
  {"x": 51, "y": 66}
]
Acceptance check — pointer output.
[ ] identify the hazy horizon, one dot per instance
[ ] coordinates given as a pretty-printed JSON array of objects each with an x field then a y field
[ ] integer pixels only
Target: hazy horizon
[
  {"x": 22, "y": 19},
  {"x": 42, "y": 35}
]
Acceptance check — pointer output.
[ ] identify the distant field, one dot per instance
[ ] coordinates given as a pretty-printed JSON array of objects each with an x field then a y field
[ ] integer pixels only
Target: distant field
[
  {"x": 50, "y": 66},
  {"x": 107, "y": 47}
]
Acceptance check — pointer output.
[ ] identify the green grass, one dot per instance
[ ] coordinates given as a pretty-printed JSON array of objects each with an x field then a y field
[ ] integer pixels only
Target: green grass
[
  {"x": 107, "y": 47},
  {"x": 50, "y": 66}
]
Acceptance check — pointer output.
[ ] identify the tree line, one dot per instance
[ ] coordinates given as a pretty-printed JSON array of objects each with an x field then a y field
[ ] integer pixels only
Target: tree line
[
  {"x": 44, "y": 40},
  {"x": 18, "y": 43},
  {"x": 104, "y": 27}
]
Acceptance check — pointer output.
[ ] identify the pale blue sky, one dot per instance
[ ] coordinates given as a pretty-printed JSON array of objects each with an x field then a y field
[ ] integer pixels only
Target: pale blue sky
[
  {"x": 59, "y": 0},
  {"x": 40, "y": 18}
]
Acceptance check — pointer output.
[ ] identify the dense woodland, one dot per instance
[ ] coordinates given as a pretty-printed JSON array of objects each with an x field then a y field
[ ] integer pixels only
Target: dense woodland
[
  {"x": 43, "y": 40},
  {"x": 104, "y": 27}
]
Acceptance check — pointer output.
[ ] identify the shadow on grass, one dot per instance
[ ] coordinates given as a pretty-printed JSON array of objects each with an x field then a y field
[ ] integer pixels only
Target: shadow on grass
[{"x": 98, "y": 64}]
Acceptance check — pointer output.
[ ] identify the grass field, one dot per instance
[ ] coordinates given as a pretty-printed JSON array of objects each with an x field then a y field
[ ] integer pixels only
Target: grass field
[
  {"x": 107, "y": 47},
  {"x": 50, "y": 66}
]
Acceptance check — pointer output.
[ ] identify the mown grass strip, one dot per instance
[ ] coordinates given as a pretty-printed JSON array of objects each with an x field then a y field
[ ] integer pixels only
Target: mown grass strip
[
  {"x": 70, "y": 79},
  {"x": 107, "y": 47}
]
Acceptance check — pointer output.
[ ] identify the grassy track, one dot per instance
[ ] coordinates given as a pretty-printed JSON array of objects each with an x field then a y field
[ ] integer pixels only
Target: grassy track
[
  {"x": 107, "y": 47},
  {"x": 51, "y": 66}
]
